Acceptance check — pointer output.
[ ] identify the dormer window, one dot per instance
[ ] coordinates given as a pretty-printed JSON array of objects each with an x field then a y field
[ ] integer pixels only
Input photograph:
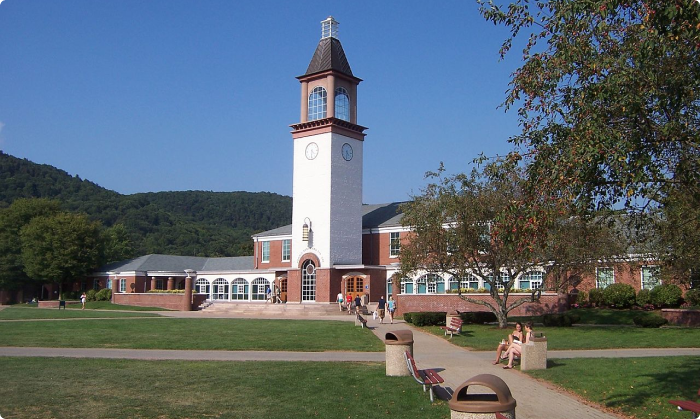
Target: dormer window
[
  {"x": 317, "y": 103},
  {"x": 342, "y": 104}
]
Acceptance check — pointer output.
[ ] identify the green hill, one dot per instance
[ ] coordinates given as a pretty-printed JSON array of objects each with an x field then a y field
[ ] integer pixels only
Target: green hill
[{"x": 178, "y": 223}]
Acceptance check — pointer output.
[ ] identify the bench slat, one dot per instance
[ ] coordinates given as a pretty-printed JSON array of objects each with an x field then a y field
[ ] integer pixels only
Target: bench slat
[{"x": 426, "y": 378}]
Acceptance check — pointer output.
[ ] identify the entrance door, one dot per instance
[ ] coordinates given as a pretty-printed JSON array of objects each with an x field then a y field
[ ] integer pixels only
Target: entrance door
[{"x": 354, "y": 285}]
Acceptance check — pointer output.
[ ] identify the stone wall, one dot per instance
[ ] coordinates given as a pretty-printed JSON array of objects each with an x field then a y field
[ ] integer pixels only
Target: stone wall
[
  {"x": 149, "y": 299},
  {"x": 411, "y": 303},
  {"x": 678, "y": 317}
]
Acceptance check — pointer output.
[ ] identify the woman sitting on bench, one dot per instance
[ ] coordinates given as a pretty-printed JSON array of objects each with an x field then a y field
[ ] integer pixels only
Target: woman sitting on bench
[
  {"x": 516, "y": 349},
  {"x": 517, "y": 335}
]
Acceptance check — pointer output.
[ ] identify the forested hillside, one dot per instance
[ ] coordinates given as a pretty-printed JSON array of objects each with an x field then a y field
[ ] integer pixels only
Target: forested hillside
[{"x": 179, "y": 223}]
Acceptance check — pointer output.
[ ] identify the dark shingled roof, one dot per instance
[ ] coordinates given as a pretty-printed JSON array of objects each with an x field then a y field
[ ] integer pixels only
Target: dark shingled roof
[
  {"x": 171, "y": 263},
  {"x": 329, "y": 55}
]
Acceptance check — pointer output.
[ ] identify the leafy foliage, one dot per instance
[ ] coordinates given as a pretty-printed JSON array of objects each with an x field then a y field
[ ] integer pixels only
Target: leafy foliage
[
  {"x": 608, "y": 99},
  {"x": 179, "y": 223},
  {"x": 666, "y": 295},
  {"x": 692, "y": 297},
  {"x": 619, "y": 295},
  {"x": 427, "y": 318},
  {"x": 651, "y": 321},
  {"x": 643, "y": 297},
  {"x": 595, "y": 296}
]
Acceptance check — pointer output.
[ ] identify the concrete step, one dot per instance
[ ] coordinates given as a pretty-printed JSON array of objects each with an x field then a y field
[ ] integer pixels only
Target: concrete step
[{"x": 292, "y": 309}]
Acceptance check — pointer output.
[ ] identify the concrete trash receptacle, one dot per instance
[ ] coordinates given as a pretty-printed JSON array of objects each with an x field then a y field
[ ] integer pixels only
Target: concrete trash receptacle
[
  {"x": 464, "y": 405},
  {"x": 534, "y": 354},
  {"x": 398, "y": 342}
]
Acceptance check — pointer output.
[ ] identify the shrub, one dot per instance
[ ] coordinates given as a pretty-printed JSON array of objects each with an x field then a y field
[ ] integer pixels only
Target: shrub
[
  {"x": 478, "y": 317},
  {"x": 666, "y": 295},
  {"x": 104, "y": 295},
  {"x": 559, "y": 320},
  {"x": 91, "y": 295},
  {"x": 650, "y": 321},
  {"x": 582, "y": 298},
  {"x": 595, "y": 296},
  {"x": 643, "y": 298},
  {"x": 692, "y": 297},
  {"x": 426, "y": 319},
  {"x": 619, "y": 295}
]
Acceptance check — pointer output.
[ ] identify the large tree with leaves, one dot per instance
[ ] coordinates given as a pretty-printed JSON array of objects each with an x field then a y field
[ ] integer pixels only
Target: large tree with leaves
[
  {"x": 61, "y": 248},
  {"x": 608, "y": 99},
  {"x": 12, "y": 219}
]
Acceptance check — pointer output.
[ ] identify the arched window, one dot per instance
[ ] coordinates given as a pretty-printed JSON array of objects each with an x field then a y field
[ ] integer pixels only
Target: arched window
[
  {"x": 219, "y": 289},
  {"x": 202, "y": 286},
  {"x": 259, "y": 287},
  {"x": 308, "y": 281},
  {"x": 430, "y": 284},
  {"x": 531, "y": 280},
  {"x": 470, "y": 282},
  {"x": 342, "y": 104},
  {"x": 317, "y": 103},
  {"x": 239, "y": 289}
]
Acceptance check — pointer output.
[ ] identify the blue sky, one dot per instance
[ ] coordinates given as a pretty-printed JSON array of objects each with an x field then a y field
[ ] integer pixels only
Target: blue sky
[{"x": 147, "y": 96}]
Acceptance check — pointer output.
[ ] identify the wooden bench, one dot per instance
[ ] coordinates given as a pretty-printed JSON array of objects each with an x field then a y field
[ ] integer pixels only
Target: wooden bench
[
  {"x": 455, "y": 326},
  {"x": 688, "y": 405},
  {"x": 426, "y": 378},
  {"x": 360, "y": 321}
]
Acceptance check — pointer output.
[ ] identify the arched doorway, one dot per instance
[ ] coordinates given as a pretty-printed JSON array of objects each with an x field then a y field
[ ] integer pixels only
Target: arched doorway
[
  {"x": 308, "y": 281},
  {"x": 355, "y": 285}
]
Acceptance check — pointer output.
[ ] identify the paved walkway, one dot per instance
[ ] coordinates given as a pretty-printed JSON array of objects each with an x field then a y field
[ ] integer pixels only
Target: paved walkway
[{"x": 535, "y": 399}]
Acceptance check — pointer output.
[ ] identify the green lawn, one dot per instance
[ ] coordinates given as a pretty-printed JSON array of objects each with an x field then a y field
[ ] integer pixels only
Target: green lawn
[
  {"x": 639, "y": 387},
  {"x": 24, "y": 313},
  {"x": 38, "y": 388},
  {"x": 486, "y": 337},
  {"x": 201, "y": 334}
]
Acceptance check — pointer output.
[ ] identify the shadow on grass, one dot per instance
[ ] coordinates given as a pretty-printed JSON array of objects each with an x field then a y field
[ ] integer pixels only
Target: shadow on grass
[{"x": 680, "y": 381}]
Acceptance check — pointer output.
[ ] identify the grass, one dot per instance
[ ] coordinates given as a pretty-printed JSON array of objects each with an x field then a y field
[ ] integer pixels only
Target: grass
[
  {"x": 107, "y": 305},
  {"x": 27, "y": 313},
  {"x": 120, "y": 389},
  {"x": 194, "y": 334},
  {"x": 638, "y": 387},
  {"x": 486, "y": 337}
]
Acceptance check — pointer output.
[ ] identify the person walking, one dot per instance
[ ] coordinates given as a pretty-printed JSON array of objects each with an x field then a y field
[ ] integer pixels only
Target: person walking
[
  {"x": 340, "y": 300},
  {"x": 391, "y": 306},
  {"x": 358, "y": 304},
  {"x": 348, "y": 301},
  {"x": 83, "y": 299},
  {"x": 381, "y": 309}
]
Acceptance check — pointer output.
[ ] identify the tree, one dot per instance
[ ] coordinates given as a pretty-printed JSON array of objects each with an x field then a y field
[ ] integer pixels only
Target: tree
[
  {"x": 12, "y": 219},
  {"x": 61, "y": 248},
  {"x": 608, "y": 100},
  {"x": 608, "y": 96},
  {"x": 117, "y": 245},
  {"x": 474, "y": 224}
]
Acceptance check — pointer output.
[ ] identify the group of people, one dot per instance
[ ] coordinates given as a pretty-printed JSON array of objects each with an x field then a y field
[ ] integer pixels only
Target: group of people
[
  {"x": 509, "y": 350},
  {"x": 383, "y": 306}
]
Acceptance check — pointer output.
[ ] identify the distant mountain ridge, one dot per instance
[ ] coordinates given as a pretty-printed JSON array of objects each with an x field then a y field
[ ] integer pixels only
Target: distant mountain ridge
[{"x": 188, "y": 223}]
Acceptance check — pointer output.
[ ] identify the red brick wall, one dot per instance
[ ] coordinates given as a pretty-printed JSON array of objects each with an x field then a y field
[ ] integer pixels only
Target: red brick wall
[
  {"x": 690, "y": 318},
  {"x": 375, "y": 248},
  {"x": 275, "y": 256},
  {"x": 411, "y": 303},
  {"x": 169, "y": 301}
]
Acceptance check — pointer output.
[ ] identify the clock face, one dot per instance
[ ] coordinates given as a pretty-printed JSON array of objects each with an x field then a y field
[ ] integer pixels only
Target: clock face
[
  {"x": 347, "y": 151},
  {"x": 311, "y": 151}
]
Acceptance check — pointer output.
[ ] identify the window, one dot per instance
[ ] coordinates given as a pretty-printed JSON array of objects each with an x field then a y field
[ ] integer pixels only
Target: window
[
  {"x": 650, "y": 277},
  {"x": 531, "y": 280},
  {"x": 96, "y": 284},
  {"x": 122, "y": 285},
  {"x": 239, "y": 289},
  {"x": 265, "y": 251},
  {"x": 342, "y": 104},
  {"x": 389, "y": 287},
  {"x": 470, "y": 282},
  {"x": 202, "y": 286},
  {"x": 317, "y": 104},
  {"x": 394, "y": 244},
  {"x": 308, "y": 281},
  {"x": 430, "y": 284},
  {"x": 406, "y": 287},
  {"x": 286, "y": 250},
  {"x": 219, "y": 289},
  {"x": 260, "y": 286},
  {"x": 604, "y": 277}
]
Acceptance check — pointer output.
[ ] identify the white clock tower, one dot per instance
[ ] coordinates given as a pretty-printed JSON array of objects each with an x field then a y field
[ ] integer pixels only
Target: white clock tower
[{"x": 327, "y": 189}]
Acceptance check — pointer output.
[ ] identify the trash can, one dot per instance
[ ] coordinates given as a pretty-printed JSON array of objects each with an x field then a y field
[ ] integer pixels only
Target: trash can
[
  {"x": 464, "y": 405},
  {"x": 452, "y": 315},
  {"x": 534, "y": 354},
  {"x": 398, "y": 342}
]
